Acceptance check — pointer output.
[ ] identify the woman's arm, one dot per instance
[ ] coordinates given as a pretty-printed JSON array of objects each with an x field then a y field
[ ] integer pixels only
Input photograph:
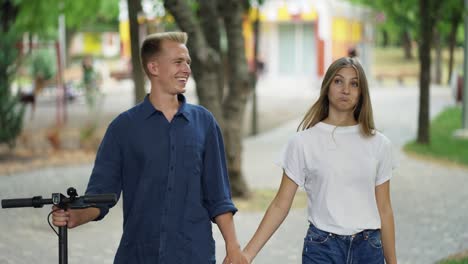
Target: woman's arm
[
  {"x": 382, "y": 194},
  {"x": 274, "y": 216}
]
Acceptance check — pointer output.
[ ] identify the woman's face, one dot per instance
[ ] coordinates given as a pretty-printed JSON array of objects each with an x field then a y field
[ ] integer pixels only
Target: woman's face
[{"x": 344, "y": 90}]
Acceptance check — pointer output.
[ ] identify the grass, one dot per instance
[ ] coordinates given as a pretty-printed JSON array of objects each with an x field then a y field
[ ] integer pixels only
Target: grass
[
  {"x": 443, "y": 146},
  {"x": 455, "y": 261},
  {"x": 260, "y": 199},
  {"x": 460, "y": 258}
]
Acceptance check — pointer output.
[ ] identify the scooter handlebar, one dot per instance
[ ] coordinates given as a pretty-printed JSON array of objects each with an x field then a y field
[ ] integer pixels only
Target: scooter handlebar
[{"x": 36, "y": 202}]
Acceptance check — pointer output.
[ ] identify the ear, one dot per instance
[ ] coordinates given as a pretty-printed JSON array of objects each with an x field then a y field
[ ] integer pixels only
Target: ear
[{"x": 153, "y": 67}]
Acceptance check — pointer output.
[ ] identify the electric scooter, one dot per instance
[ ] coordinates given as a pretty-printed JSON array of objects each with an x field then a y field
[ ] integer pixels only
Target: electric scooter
[{"x": 63, "y": 202}]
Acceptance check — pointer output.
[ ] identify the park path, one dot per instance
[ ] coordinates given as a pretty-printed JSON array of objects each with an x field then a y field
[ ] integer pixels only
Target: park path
[{"x": 429, "y": 200}]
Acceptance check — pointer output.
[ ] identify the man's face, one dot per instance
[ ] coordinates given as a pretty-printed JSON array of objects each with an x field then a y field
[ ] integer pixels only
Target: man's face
[
  {"x": 344, "y": 91},
  {"x": 173, "y": 67}
]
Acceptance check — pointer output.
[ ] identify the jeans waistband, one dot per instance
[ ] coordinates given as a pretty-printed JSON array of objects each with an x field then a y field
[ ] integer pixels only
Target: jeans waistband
[{"x": 364, "y": 234}]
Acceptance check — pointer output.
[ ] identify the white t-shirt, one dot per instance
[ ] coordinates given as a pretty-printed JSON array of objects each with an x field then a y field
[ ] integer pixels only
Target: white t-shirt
[{"x": 339, "y": 169}]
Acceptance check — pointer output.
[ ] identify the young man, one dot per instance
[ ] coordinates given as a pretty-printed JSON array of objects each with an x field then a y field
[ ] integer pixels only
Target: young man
[{"x": 167, "y": 158}]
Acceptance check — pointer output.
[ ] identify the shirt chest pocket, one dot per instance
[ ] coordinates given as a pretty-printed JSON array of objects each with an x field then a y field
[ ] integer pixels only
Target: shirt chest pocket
[{"x": 192, "y": 156}]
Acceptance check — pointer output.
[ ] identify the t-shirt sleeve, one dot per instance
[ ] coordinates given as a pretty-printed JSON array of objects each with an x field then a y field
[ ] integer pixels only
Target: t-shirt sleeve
[
  {"x": 386, "y": 162},
  {"x": 292, "y": 161}
]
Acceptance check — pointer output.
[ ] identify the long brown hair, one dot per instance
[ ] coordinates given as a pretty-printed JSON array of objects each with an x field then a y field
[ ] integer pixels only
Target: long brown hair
[{"x": 363, "y": 109}]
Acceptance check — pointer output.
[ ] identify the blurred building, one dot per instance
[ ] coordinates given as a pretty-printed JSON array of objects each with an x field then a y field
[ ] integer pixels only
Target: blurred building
[
  {"x": 299, "y": 39},
  {"x": 105, "y": 44}
]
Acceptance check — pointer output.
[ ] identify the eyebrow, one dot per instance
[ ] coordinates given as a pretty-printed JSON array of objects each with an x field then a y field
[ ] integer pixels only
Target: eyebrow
[
  {"x": 182, "y": 59},
  {"x": 343, "y": 76}
]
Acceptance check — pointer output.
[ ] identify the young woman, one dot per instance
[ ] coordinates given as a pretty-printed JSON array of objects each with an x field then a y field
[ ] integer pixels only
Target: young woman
[{"x": 345, "y": 165}]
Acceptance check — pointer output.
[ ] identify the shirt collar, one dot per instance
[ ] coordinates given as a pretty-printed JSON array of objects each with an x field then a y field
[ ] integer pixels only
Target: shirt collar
[{"x": 148, "y": 108}]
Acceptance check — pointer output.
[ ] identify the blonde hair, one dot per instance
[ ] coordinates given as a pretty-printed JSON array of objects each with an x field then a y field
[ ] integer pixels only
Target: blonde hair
[
  {"x": 151, "y": 46},
  {"x": 363, "y": 109}
]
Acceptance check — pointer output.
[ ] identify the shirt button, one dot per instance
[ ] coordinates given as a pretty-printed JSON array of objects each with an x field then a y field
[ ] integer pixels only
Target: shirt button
[
  {"x": 172, "y": 147},
  {"x": 169, "y": 188},
  {"x": 172, "y": 168}
]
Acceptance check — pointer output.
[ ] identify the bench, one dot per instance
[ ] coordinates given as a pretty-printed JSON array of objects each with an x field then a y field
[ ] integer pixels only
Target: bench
[
  {"x": 398, "y": 75},
  {"x": 121, "y": 74}
]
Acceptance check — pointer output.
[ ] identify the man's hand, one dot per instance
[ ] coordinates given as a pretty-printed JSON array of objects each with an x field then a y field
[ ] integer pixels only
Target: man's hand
[
  {"x": 73, "y": 217},
  {"x": 234, "y": 255}
]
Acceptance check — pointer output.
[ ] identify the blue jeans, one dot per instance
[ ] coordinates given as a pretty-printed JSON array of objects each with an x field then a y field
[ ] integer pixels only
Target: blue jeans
[{"x": 323, "y": 247}]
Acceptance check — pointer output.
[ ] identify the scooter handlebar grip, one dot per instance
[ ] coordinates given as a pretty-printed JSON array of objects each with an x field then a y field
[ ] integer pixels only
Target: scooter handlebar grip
[
  {"x": 100, "y": 199},
  {"x": 13, "y": 203}
]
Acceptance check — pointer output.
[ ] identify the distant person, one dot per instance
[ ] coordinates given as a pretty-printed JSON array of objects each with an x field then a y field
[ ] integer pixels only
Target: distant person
[
  {"x": 345, "y": 166},
  {"x": 352, "y": 52},
  {"x": 260, "y": 66},
  {"x": 90, "y": 82},
  {"x": 167, "y": 159}
]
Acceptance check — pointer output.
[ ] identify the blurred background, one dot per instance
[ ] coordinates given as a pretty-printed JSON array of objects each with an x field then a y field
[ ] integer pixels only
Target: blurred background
[{"x": 67, "y": 68}]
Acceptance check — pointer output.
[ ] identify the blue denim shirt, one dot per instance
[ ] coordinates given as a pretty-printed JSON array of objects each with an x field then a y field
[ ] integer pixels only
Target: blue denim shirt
[{"x": 173, "y": 179}]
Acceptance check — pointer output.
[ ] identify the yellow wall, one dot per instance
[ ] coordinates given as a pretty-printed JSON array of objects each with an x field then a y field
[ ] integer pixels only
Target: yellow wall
[
  {"x": 92, "y": 43},
  {"x": 124, "y": 28},
  {"x": 346, "y": 33},
  {"x": 283, "y": 15},
  {"x": 248, "y": 41}
]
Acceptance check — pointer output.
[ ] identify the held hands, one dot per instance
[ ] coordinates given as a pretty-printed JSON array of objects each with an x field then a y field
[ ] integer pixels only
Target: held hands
[{"x": 234, "y": 255}]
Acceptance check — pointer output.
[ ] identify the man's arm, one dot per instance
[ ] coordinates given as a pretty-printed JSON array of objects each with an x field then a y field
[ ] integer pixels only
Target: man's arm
[
  {"x": 382, "y": 195},
  {"x": 105, "y": 178},
  {"x": 216, "y": 192},
  {"x": 225, "y": 224}
]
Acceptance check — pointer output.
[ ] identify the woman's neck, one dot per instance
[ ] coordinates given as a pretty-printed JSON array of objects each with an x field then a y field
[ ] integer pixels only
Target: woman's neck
[{"x": 340, "y": 119}]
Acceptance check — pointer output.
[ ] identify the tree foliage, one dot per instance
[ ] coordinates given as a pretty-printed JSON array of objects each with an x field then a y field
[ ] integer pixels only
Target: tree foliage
[
  {"x": 41, "y": 17},
  {"x": 400, "y": 21},
  {"x": 429, "y": 15},
  {"x": 11, "y": 113}
]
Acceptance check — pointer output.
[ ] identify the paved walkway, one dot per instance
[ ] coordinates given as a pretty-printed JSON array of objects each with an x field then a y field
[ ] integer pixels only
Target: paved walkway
[{"x": 429, "y": 200}]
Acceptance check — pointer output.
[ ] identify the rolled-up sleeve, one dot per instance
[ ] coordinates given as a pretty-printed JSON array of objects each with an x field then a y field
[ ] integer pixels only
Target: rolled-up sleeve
[
  {"x": 106, "y": 175},
  {"x": 216, "y": 188}
]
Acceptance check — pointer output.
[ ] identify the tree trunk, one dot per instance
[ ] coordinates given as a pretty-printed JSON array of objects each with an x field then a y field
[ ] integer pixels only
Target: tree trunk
[
  {"x": 426, "y": 29},
  {"x": 384, "y": 38},
  {"x": 254, "y": 74},
  {"x": 234, "y": 105},
  {"x": 452, "y": 41},
  {"x": 8, "y": 52},
  {"x": 68, "y": 39},
  {"x": 137, "y": 71},
  {"x": 211, "y": 25},
  {"x": 207, "y": 68},
  {"x": 11, "y": 112},
  {"x": 205, "y": 60},
  {"x": 407, "y": 47},
  {"x": 438, "y": 58}
]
